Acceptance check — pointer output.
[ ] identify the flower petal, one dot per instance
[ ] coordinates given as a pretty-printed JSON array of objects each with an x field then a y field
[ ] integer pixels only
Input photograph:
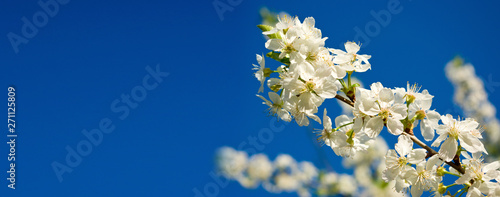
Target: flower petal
[
  {"x": 374, "y": 126},
  {"x": 417, "y": 155},
  {"x": 427, "y": 130},
  {"x": 448, "y": 149},
  {"x": 391, "y": 173},
  {"x": 404, "y": 145},
  {"x": 351, "y": 47},
  {"x": 274, "y": 44},
  {"x": 394, "y": 126}
]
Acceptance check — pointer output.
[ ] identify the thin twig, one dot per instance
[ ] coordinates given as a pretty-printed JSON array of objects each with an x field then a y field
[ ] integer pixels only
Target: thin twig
[
  {"x": 432, "y": 152},
  {"x": 347, "y": 101}
]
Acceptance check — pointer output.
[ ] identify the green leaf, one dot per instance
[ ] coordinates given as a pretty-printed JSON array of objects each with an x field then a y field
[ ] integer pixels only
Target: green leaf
[
  {"x": 355, "y": 85},
  {"x": 276, "y": 56},
  {"x": 264, "y": 28},
  {"x": 275, "y": 87}
]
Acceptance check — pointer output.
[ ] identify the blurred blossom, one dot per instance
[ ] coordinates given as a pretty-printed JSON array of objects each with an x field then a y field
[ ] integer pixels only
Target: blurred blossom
[
  {"x": 231, "y": 162},
  {"x": 471, "y": 96}
]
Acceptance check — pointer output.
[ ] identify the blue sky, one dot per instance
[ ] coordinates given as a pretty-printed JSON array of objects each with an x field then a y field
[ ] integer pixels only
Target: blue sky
[{"x": 91, "y": 53}]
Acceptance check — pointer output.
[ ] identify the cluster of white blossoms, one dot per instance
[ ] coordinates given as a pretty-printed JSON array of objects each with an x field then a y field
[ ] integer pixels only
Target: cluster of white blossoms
[
  {"x": 471, "y": 96},
  {"x": 312, "y": 73},
  {"x": 284, "y": 174}
]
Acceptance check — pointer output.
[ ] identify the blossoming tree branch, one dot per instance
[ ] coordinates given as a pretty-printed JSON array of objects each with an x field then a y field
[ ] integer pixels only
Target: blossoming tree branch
[{"x": 312, "y": 73}]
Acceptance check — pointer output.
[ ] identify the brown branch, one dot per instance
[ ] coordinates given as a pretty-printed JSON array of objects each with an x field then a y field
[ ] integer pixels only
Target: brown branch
[
  {"x": 431, "y": 152},
  {"x": 347, "y": 101}
]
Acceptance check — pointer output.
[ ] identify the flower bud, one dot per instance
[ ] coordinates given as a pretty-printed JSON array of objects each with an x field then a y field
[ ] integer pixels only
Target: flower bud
[
  {"x": 267, "y": 72},
  {"x": 442, "y": 188},
  {"x": 420, "y": 114},
  {"x": 410, "y": 98},
  {"x": 441, "y": 171}
]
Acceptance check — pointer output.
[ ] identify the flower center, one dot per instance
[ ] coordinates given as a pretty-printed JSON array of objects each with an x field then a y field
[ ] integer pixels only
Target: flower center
[
  {"x": 310, "y": 85},
  {"x": 354, "y": 56},
  {"x": 311, "y": 57},
  {"x": 288, "y": 48},
  {"x": 385, "y": 113},
  {"x": 422, "y": 176},
  {"x": 402, "y": 161},
  {"x": 454, "y": 131}
]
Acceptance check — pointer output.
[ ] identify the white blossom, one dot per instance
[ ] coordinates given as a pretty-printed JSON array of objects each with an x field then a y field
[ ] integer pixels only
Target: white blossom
[
  {"x": 350, "y": 60},
  {"x": 312, "y": 88},
  {"x": 453, "y": 130},
  {"x": 481, "y": 173},
  {"x": 276, "y": 106},
  {"x": 396, "y": 164},
  {"x": 424, "y": 177},
  {"x": 420, "y": 110},
  {"x": 231, "y": 162},
  {"x": 300, "y": 114},
  {"x": 259, "y": 73},
  {"x": 259, "y": 167},
  {"x": 348, "y": 141},
  {"x": 384, "y": 112}
]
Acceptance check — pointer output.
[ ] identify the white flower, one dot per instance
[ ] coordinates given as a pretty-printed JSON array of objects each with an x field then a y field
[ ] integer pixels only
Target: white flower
[
  {"x": 276, "y": 106},
  {"x": 307, "y": 172},
  {"x": 364, "y": 97},
  {"x": 396, "y": 164},
  {"x": 324, "y": 57},
  {"x": 351, "y": 61},
  {"x": 481, "y": 173},
  {"x": 329, "y": 178},
  {"x": 347, "y": 185},
  {"x": 327, "y": 134},
  {"x": 308, "y": 57},
  {"x": 377, "y": 148},
  {"x": 286, "y": 182},
  {"x": 308, "y": 29},
  {"x": 231, "y": 162},
  {"x": 259, "y": 167},
  {"x": 453, "y": 130},
  {"x": 429, "y": 118},
  {"x": 424, "y": 177},
  {"x": 259, "y": 74},
  {"x": 287, "y": 45},
  {"x": 284, "y": 22},
  {"x": 277, "y": 84},
  {"x": 301, "y": 115},
  {"x": 385, "y": 111},
  {"x": 306, "y": 60},
  {"x": 412, "y": 94},
  {"x": 313, "y": 88},
  {"x": 284, "y": 161},
  {"x": 348, "y": 140},
  {"x": 401, "y": 184}
]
